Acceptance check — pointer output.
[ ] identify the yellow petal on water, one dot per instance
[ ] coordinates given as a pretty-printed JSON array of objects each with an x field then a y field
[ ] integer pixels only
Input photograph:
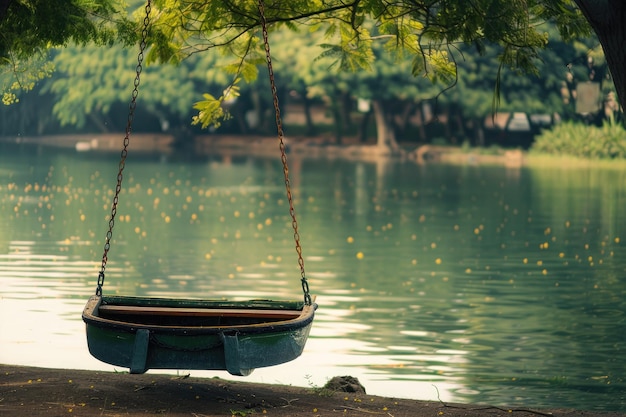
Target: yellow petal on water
[
  {"x": 438, "y": 261},
  {"x": 525, "y": 260},
  {"x": 350, "y": 239},
  {"x": 359, "y": 255},
  {"x": 616, "y": 240}
]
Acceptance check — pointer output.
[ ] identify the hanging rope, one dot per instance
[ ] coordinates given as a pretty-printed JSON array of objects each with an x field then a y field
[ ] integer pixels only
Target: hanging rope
[
  {"x": 283, "y": 154},
  {"x": 122, "y": 164}
]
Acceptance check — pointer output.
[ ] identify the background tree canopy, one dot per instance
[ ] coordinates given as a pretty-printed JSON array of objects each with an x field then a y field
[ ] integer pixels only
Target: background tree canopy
[{"x": 370, "y": 49}]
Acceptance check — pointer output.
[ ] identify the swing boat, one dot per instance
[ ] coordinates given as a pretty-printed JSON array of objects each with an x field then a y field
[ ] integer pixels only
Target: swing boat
[
  {"x": 161, "y": 333},
  {"x": 141, "y": 333}
]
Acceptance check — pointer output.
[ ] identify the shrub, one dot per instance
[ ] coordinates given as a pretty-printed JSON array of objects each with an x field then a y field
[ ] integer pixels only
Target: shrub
[{"x": 576, "y": 139}]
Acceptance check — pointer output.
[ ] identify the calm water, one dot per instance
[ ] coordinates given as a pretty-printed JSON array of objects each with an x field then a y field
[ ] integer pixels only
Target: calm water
[{"x": 469, "y": 284}]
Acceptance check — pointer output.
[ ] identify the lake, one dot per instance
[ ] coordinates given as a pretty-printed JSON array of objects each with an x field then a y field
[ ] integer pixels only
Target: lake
[{"x": 474, "y": 284}]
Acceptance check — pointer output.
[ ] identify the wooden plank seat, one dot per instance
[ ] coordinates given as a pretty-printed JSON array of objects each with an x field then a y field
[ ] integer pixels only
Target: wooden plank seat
[{"x": 122, "y": 310}]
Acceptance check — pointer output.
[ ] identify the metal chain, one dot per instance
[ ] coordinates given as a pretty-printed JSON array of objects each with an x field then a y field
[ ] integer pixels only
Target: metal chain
[
  {"x": 283, "y": 154},
  {"x": 131, "y": 115}
]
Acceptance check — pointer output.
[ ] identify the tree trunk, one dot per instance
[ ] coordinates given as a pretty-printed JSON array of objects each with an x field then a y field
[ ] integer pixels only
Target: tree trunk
[
  {"x": 337, "y": 117},
  {"x": 385, "y": 136},
  {"x": 362, "y": 133},
  {"x": 310, "y": 126},
  {"x": 607, "y": 20},
  {"x": 421, "y": 127}
]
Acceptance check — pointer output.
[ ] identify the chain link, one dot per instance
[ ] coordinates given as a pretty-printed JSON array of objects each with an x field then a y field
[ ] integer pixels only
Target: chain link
[
  {"x": 283, "y": 155},
  {"x": 129, "y": 123}
]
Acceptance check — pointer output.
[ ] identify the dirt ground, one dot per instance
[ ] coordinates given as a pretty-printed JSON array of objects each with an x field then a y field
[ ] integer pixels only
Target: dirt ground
[{"x": 32, "y": 392}]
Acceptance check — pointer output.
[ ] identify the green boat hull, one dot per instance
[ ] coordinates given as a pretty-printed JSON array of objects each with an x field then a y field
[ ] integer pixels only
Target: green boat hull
[{"x": 155, "y": 333}]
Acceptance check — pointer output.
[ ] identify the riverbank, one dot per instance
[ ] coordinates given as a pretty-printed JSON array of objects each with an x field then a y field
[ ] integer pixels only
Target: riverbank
[
  {"x": 229, "y": 146},
  {"x": 33, "y": 392}
]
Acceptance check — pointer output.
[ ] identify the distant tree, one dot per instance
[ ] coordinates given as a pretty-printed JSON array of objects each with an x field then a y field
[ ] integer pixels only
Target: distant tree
[
  {"x": 426, "y": 30},
  {"x": 90, "y": 81},
  {"x": 429, "y": 30}
]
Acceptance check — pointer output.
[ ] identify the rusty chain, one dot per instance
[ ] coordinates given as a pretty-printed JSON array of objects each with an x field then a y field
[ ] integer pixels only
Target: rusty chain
[
  {"x": 283, "y": 154},
  {"x": 131, "y": 115},
  {"x": 281, "y": 136}
]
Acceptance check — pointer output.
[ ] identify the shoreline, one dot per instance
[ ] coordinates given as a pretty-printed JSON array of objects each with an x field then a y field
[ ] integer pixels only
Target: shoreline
[
  {"x": 229, "y": 146},
  {"x": 32, "y": 392}
]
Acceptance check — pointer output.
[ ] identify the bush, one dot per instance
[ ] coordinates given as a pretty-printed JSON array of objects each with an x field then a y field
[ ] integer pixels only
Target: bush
[{"x": 576, "y": 139}]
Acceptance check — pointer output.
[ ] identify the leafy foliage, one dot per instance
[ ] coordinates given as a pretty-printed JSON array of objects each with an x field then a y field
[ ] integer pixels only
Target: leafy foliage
[
  {"x": 30, "y": 28},
  {"x": 426, "y": 31},
  {"x": 211, "y": 111},
  {"x": 576, "y": 139},
  {"x": 22, "y": 77},
  {"x": 327, "y": 49}
]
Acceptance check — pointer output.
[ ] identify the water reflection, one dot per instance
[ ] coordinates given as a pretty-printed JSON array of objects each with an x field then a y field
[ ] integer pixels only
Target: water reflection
[{"x": 478, "y": 284}]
